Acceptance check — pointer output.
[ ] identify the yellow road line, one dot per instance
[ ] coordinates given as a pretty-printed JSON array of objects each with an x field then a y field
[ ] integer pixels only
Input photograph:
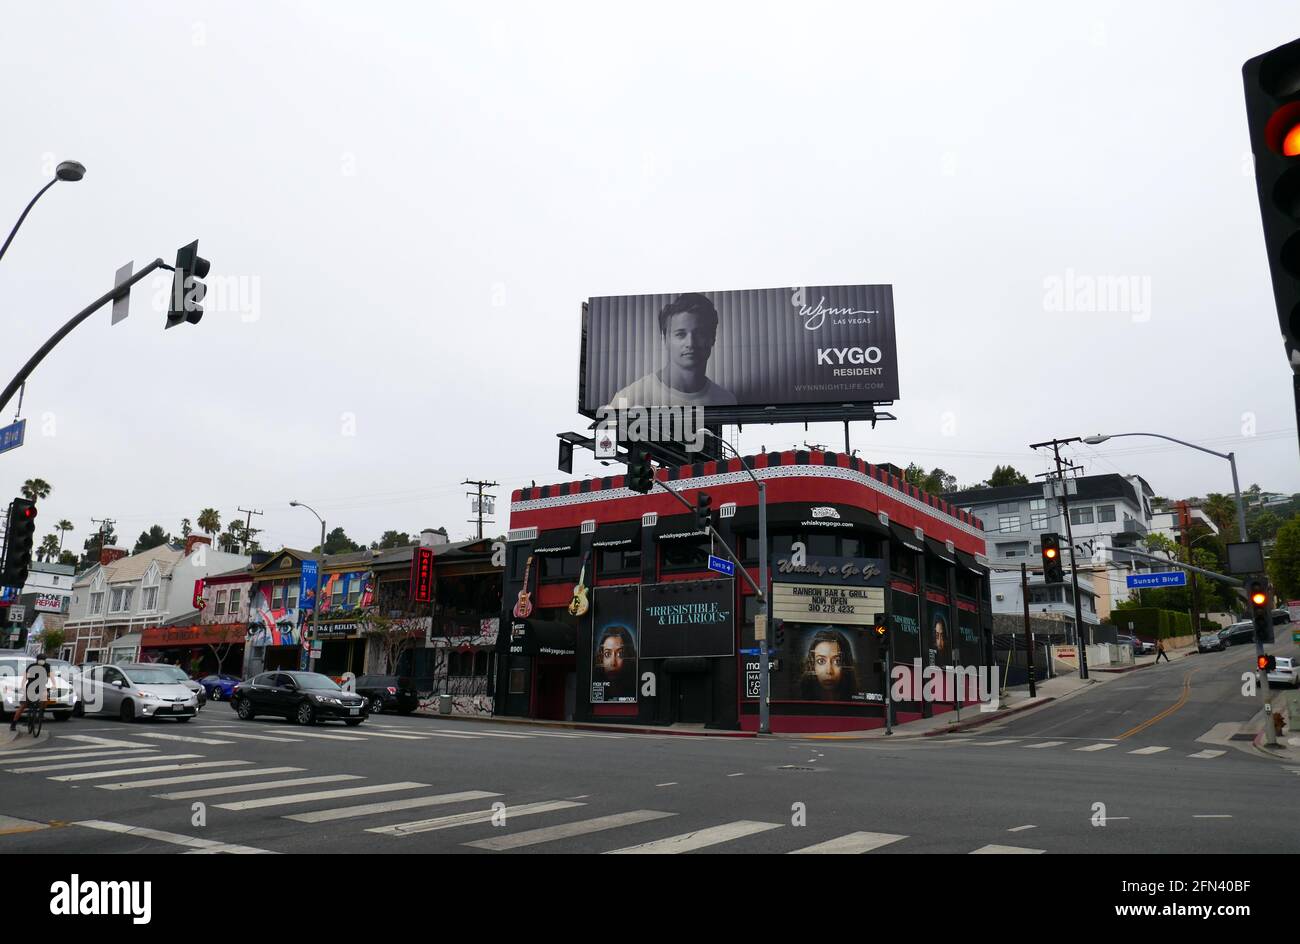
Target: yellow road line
[{"x": 1187, "y": 690}]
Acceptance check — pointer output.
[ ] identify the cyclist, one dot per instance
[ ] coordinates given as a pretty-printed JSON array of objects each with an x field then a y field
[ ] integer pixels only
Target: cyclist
[{"x": 36, "y": 678}]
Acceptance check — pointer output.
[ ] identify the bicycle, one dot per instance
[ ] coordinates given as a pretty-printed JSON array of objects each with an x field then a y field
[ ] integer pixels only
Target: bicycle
[{"x": 35, "y": 715}]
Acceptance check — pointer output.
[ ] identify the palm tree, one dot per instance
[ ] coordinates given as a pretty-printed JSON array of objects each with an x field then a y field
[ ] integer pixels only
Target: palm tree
[
  {"x": 49, "y": 548},
  {"x": 63, "y": 527},
  {"x": 209, "y": 521},
  {"x": 34, "y": 489},
  {"x": 187, "y": 528}
]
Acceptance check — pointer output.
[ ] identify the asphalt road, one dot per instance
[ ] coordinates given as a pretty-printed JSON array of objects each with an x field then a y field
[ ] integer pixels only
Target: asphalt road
[{"x": 417, "y": 784}]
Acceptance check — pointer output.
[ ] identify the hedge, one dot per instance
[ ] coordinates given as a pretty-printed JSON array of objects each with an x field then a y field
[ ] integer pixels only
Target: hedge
[{"x": 1152, "y": 623}]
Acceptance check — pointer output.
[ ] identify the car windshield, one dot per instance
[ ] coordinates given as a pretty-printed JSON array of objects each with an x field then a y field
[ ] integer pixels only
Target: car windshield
[
  {"x": 314, "y": 680},
  {"x": 175, "y": 671},
  {"x": 156, "y": 675}
]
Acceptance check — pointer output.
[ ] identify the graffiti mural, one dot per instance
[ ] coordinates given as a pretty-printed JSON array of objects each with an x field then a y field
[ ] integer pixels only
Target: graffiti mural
[{"x": 273, "y": 626}]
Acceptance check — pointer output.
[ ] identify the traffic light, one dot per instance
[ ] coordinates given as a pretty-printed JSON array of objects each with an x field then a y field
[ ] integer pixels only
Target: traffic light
[
  {"x": 1053, "y": 572},
  {"x": 1273, "y": 116},
  {"x": 778, "y": 634},
  {"x": 880, "y": 629},
  {"x": 187, "y": 290},
  {"x": 703, "y": 510},
  {"x": 1266, "y": 663},
  {"x": 18, "y": 543},
  {"x": 1261, "y": 609},
  {"x": 640, "y": 473}
]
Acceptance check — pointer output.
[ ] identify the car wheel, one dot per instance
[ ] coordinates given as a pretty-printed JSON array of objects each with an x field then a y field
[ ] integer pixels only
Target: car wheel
[
  {"x": 376, "y": 706},
  {"x": 353, "y": 722},
  {"x": 244, "y": 709},
  {"x": 185, "y": 718},
  {"x": 79, "y": 710},
  {"x": 61, "y": 716},
  {"x": 127, "y": 712},
  {"x": 306, "y": 714}
]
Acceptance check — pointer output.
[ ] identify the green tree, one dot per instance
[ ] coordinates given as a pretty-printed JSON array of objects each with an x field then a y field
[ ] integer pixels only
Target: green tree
[
  {"x": 67, "y": 557},
  {"x": 63, "y": 527},
  {"x": 1222, "y": 510},
  {"x": 1262, "y": 526},
  {"x": 187, "y": 528},
  {"x": 1284, "y": 563},
  {"x": 36, "y": 489},
  {"x": 1157, "y": 543},
  {"x": 935, "y": 482},
  {"x": 1005, "y": 475},
  {"x": 154, "y": 537},
  {"x": 391, "y": 539},
  {"x": 95, "y": 544},
  {"x": 337, "y": 542},
  {"x": 209, "y": 521},
  {"x": 49, "y": 548},
  {"x": 52, "y": 641}
]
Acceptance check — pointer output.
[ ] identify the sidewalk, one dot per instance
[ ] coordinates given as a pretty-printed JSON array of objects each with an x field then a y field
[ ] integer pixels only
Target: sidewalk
[{"x": 18, "y": 740}]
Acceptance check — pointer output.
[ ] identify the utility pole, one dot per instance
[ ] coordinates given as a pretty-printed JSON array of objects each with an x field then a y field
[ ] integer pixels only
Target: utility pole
[
  {"x": 1081, "y": 633},
  {"x": 248, "y": 526},
  {"x": 105, "y": 525},
  {"x": 479, "y": 500}
]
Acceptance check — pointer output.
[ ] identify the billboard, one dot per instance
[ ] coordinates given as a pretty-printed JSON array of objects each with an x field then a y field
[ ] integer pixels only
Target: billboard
[
  {"x": 688, "y": 619},
  {"x": 737, "y": 353},
  {"x": 615, "y": 641}
]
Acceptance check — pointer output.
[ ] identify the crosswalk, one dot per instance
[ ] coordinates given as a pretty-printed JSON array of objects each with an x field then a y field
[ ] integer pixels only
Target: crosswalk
[{"x": 1093, "y": 747}]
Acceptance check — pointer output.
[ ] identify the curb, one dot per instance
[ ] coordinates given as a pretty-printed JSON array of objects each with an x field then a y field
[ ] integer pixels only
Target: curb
[
  {"x": 1260, "y": 749},
  {"x": 988, "y": 718},
  {"x": 7, "y": 747},
  {"x": 585, "y": 726}
]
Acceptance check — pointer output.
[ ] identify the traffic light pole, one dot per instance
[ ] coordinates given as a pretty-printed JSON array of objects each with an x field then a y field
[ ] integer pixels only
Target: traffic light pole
[
  {"x": 117, "y": 291},
  {"x": 1056, "y": 445}
]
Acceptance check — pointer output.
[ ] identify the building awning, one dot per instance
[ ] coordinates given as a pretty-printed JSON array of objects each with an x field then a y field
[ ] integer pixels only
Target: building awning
[
  {"x": 620, "y": 534},
  {"x": 530, "y": 637},
  {"x": 970, "y": 563},
  {"x": 940, "y": 550},
  {"x": 907, "y": 537},
  {"x": 679, "y": 528},
  {"x": 810, "y": 517},
  {"x": 560, "y": 543}
]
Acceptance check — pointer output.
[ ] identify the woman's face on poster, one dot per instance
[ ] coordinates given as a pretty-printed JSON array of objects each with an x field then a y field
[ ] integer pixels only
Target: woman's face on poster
[
  {"x": 611, "y": 655},
  {"x": 828, "y": 663}
]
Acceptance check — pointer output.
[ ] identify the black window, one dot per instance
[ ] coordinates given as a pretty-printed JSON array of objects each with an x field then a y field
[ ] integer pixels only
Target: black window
[
  {"x": 902, "y": 561},
  {"x": 558, "y": 568},
  {"x": 821, "y": 545},
  {"x": 518, "y": 563},
  {"x": 619, "y": 561},
  {"x": 684, "y": 555}
]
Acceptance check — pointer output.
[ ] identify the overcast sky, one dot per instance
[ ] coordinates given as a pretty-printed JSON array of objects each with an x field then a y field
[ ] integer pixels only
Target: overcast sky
[{"x": 409, "y": 202}]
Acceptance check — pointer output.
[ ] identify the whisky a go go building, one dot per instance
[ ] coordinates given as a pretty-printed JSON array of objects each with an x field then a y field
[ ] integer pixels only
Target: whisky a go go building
[{"x": 611, "y": 613}]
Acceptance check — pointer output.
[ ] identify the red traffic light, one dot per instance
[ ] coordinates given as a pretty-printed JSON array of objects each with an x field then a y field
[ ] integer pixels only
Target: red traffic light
[
  {"x": 1259, "y": 598},
  {"x": 28, "y": 512},
  {"x": 1049, "y": 553},
  {"x": 1291, "y": 142},
  {"x": 1266, "y": 663}
]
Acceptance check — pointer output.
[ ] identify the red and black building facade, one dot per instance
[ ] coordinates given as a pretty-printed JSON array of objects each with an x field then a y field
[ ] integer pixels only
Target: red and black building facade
[{"x": 650, "y": 635}]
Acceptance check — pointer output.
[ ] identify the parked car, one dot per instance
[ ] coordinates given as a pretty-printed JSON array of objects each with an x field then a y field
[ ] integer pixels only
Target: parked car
[
  {"x": 62, "y": 696},
  {"x": 388, "y": 693},
  {"x": 1238, "y": 634},
  {"x": 1145, "y": 647},
  {"x": 304, "y": 697},
  {"x": 1285, "y": 672},
  {"x": 137, "y": 690},
  {"x": 220, "y": 687},
  {"x": 200, "y": 694},
  {"x": 1130, "y": 641},
  {"x": 1211, "y": 641}
]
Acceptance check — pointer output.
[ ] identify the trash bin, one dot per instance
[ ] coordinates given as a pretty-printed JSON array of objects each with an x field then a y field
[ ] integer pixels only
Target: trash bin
[{"x": 444, "y": 704}]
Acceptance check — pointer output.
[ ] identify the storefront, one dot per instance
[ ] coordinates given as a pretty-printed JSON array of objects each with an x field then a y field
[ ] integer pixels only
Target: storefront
[
  {"x": 660, "y": 639},
  {"x": 201, "y": 649}
]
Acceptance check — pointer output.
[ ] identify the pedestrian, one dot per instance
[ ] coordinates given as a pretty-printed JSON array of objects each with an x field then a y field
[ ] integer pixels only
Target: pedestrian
[{"x": 1160, "y": 650}]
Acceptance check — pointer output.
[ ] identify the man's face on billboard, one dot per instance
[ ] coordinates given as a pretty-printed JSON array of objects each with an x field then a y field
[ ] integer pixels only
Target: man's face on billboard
[
  {"x": 690, "y": 338},
  {"x": 828, "y": 662},
  {"x": 940, "y": 637},
  {"x": 611, "y": 655}
]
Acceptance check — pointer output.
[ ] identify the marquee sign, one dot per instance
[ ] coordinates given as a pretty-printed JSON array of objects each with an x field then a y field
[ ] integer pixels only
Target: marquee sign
[{"x": 823, "y": 603}]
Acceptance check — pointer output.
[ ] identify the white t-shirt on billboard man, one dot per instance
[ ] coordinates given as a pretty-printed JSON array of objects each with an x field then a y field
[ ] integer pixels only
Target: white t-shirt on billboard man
[{"x": 689, "y": 325}]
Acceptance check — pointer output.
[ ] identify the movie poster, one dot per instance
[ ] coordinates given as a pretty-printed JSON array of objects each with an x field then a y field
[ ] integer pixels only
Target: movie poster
[{"x": 615, "y": 645}]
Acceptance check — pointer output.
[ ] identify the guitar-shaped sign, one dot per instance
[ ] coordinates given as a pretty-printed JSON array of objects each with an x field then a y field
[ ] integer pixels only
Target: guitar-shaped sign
[
  {"x": 578, "y": 606},
  {"x": 524, "y": 605}
]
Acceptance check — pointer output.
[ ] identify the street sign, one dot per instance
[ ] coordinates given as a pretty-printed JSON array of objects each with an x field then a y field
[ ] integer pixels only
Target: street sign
[
  {"x": 749, "y": 652},
  {"x": 1177, "y": 578},
  {"x": 722, "y": 566},
  {"x": 122, "y": 301},
  {"x": 17, "y": 613},
  {"x": 11, "y": 436}
]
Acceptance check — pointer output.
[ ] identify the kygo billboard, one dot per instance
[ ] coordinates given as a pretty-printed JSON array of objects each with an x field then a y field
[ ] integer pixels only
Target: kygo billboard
[{"x": 741, "y": 353}]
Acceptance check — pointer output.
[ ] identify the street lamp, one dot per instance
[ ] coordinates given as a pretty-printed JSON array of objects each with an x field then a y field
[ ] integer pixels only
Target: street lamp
[
  {"x": 764, "y": 717},
  {"x": 315, "y": 606},
  {"x": 68, "y": 170},
  {"x": 1230, "y": 456}
]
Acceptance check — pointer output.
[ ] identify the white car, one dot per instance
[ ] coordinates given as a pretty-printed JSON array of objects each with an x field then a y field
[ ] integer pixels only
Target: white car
[
  {"x": 137, "y": 690},
  {"x": 62, "y": 697},
  {"x": 1286, "y": 672}
]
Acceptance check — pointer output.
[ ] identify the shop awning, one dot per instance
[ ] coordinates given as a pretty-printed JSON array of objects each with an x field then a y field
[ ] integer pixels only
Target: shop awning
[
  {"x": 906, "y": 537},
  {"x": 970, "y": 563},
  {"x": 560, "y": 543},
  {"x": 809, "y": 517},
  {"x": 530, "y": 637},
  {"x": 679, "y": 528},
  {"x": 620, "y": 534},
  {"x": 940, "y": 550}
]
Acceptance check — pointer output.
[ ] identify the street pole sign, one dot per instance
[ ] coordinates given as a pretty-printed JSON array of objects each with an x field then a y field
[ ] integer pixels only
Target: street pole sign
[
  {"x": 122, "y": 300},
  {"x": 722, "y": 566},
  {"x": 11, "y": 436},
  {"x": 1177, "y": 578}
]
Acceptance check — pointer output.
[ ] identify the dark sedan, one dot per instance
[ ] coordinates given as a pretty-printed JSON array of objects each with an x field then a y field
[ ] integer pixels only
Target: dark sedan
[
  {"x": 388, "y": 693},
  {"x": 1239, "y": 634},
  {"x": 304, "y": 697}
]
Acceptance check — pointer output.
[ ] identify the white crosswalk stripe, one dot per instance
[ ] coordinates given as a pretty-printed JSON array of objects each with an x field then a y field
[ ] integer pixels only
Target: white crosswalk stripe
[
  {"x": 291, "y": 798},
  {"x": 83, "y": 755},
  {"x": 997, "y": 743},
  {"x": 233, "y": 788},
  {"x": 197, "y": 778},
  {"x": 261, "y": 737},
  {"x": 478, "y": 816},
  {"x": 1207, "y": 755},
  {"x": 699, "y": 839},
  {"x": 188, "y": 739},
  {"x": 491, "y": 734},
  {"x": 391, "y": 806},
  {"x": 533, "y": 837},
  {"x": 111, "y": 762},
  {"x": 1096, "y": 747},
  {"x": 158, "y": 835},
  {"x": 1044, "y": 744},
  {"x": 101, "y": 774},
  {"x": 1149, "y": 750},
  {"x": 995, "y": 849},
  {"x": 327, "y": 737},
  {"x": 850, "y": 844},
  {"x": 386, "y": 734},
  {"x": 100, "y": 741}
]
